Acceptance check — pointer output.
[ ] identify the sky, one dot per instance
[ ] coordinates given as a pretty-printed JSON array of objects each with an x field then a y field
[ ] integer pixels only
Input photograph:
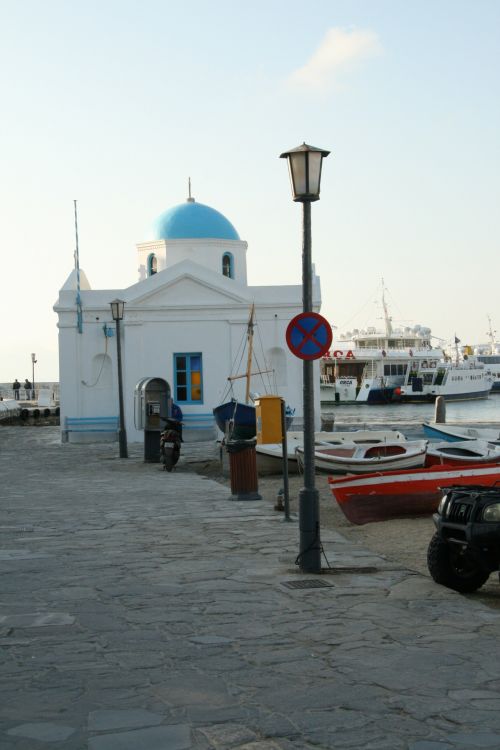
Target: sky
[{"x": 115, "y": 104}]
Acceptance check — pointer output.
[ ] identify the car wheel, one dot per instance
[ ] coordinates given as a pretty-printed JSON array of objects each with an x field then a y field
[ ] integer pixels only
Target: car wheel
[{"x": 453, "y": 567}]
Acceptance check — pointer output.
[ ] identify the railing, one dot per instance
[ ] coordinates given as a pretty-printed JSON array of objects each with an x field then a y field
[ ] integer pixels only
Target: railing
[{"x": 30, "y": 395}]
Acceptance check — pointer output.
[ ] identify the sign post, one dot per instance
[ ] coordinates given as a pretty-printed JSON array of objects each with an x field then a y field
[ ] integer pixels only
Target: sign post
[
  {"x": 305, "y": 164},
  {"x": 309, "y": 337}
]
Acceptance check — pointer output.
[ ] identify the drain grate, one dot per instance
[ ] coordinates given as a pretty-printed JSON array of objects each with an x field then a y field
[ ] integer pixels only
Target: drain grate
[{"x": 308, "y": 583}]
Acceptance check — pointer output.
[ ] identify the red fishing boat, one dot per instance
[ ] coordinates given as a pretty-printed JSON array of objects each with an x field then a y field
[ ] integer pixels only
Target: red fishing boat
[{"x": 393, "y": 494}]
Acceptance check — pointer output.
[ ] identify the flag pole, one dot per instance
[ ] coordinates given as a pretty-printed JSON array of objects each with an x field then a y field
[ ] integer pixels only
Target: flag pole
[{"x": 79, "y": 315}]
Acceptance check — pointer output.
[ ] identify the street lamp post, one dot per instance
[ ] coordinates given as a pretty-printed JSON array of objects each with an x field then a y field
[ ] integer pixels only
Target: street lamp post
[
  {"x": 33, "y": 363},
  {"x": 305, "y": 164},
  {"x": 117, "y": 307}
]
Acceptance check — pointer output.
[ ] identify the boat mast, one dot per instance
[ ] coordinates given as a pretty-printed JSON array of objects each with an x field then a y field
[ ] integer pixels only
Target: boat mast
[
  {"x": 387, "y": 319},
  {"x": 249, "y": 352},
  {"x": 491, "y": 335},
  {"x": 457, "y": 356}
]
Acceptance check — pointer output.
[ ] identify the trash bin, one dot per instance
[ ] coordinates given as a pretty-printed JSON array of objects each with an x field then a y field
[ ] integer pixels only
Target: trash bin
[{"x": 243, "y": 469}]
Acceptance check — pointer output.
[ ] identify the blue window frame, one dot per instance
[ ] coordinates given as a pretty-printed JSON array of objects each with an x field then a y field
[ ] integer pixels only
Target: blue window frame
[
  {"x": 228, "y": 265},
  {"x": 188, "y": 378}
]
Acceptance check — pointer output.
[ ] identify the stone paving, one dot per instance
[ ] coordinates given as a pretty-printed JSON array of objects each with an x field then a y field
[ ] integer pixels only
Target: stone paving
[{"x": 141, "y": 610}]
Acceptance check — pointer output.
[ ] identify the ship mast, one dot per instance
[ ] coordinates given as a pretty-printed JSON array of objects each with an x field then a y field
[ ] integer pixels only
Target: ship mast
[
  {"x": 387, "y": 319},
  {"x": 491, "y": 335}
]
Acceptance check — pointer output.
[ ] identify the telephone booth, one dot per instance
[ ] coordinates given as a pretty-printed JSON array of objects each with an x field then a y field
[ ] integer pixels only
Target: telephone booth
[{"x": 152, "y": 405}]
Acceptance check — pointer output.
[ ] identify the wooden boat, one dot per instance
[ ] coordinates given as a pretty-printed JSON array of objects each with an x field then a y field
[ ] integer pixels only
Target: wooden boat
[
  {"x": 462, "y": 452},
  {"x": 235, "y": 418},
  {"x": 395, "y": 494},
  {"x": 441, "y": 431},
  {"x": 238, "y": 418},
  {"x": 352, "y": 436},
  {"x": 270, "y": 456},
  {"x": 366, "y": 458}
]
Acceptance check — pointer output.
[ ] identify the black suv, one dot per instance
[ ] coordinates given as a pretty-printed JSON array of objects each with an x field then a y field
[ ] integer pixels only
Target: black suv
[{"x": 466, "y": 546}]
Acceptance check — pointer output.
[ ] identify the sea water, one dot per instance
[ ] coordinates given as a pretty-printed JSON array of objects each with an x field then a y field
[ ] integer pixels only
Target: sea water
[{"x": 483, "y": 412}]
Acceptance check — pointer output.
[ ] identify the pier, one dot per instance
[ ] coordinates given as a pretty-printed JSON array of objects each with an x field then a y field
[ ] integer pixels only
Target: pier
[{"x": 147, "y": 610}]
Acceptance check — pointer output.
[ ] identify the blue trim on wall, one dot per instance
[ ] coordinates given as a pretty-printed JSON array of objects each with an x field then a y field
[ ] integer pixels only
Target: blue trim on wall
[{"x": 188, "y": 356}]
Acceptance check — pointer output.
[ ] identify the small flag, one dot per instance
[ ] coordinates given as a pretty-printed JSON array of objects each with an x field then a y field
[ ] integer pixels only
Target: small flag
[{"x": 457, "y": 341}]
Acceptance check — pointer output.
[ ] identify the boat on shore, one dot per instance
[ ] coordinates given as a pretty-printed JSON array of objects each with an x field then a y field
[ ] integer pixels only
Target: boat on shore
[
  {"x": 462, "y": 452},
  {"x": 367, "y": 458},
  {"x": 235, "y": 418},
  {"x": 395, "y": 494},
  {"x": 453, "y": 433},
  {"x": 270, "y": 456}
]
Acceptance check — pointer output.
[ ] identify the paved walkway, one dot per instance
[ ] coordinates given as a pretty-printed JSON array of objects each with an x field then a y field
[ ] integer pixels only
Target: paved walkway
[{"x": 142, "y": 610}]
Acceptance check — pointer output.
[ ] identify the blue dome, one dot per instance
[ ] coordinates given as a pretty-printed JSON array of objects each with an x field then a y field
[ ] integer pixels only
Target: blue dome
[{"x": 192, "y": 220}]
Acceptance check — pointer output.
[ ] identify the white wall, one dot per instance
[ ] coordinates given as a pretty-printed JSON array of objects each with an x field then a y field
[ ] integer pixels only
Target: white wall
[
  {"x": 187, "y": 308},
  {"x": 205, "y": 252}
]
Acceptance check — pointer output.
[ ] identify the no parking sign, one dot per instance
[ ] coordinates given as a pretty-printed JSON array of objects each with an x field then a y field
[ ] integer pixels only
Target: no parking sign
[{"x": 309, "y": 335}]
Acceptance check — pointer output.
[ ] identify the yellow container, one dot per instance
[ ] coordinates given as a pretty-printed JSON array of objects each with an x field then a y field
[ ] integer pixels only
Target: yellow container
[{"x": 268, "y": 416}]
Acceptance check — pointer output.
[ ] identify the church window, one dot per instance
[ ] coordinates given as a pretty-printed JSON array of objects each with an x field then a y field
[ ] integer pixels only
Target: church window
[
  {"x": 188, "y": 378},
  {"x": 228, "y": 265},
  {"x": 152, "y": 264}
]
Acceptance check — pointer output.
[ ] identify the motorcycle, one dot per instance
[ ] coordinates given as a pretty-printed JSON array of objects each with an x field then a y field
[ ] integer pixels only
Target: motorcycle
[{"x": 170, "y": 443}]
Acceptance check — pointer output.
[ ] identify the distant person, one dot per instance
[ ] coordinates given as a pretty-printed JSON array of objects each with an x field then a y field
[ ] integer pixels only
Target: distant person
[
  {"x": 177, "y": 415},
  {"x": 27, "y": 387},
  {"x": 176, "y": 412},
  {"x": 15, "y": 387}
]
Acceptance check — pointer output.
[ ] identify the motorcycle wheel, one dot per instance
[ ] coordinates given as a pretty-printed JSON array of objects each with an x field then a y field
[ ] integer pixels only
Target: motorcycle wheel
[
  {"x": 452, "y": 567},
  {"x": 168, "y": 459}
]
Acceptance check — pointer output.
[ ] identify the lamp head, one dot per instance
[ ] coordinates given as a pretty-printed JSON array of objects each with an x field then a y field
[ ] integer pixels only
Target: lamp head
[
  {"x": 117, "y": 307},
  {"x": 304, "y": 164}
]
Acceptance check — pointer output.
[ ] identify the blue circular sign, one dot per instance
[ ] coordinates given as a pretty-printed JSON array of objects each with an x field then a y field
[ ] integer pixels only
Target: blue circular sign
[{"x": 309, "y": 335}]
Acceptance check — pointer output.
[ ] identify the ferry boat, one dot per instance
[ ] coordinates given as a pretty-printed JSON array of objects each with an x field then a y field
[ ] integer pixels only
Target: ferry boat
[
  {"x": 489, "y": 355},
  {"x": 397, "y": 365}
]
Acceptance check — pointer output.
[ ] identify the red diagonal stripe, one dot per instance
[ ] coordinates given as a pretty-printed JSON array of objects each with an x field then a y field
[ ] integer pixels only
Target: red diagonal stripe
[{"x": 308, "y": 335}]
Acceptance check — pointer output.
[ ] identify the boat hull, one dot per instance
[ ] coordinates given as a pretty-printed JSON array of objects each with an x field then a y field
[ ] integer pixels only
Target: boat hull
[
  {"x": 407, "y": 462},
  {"x": 271, "y": 461},
  {"x": 461, "y": 452},
  {"x": 270, "y": 456},
  {"x": 426, "y": 398},
  {"x": 238, "y": 418},
  {"x": 392, "y": 457},
  {"x": 330, "y": 395},
  {"x": 382, "y": 496},
  {"x": 454, "y": 433}
]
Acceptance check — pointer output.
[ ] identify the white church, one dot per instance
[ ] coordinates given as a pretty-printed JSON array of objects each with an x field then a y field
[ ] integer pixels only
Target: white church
[{"x": 184, "y": 322}]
